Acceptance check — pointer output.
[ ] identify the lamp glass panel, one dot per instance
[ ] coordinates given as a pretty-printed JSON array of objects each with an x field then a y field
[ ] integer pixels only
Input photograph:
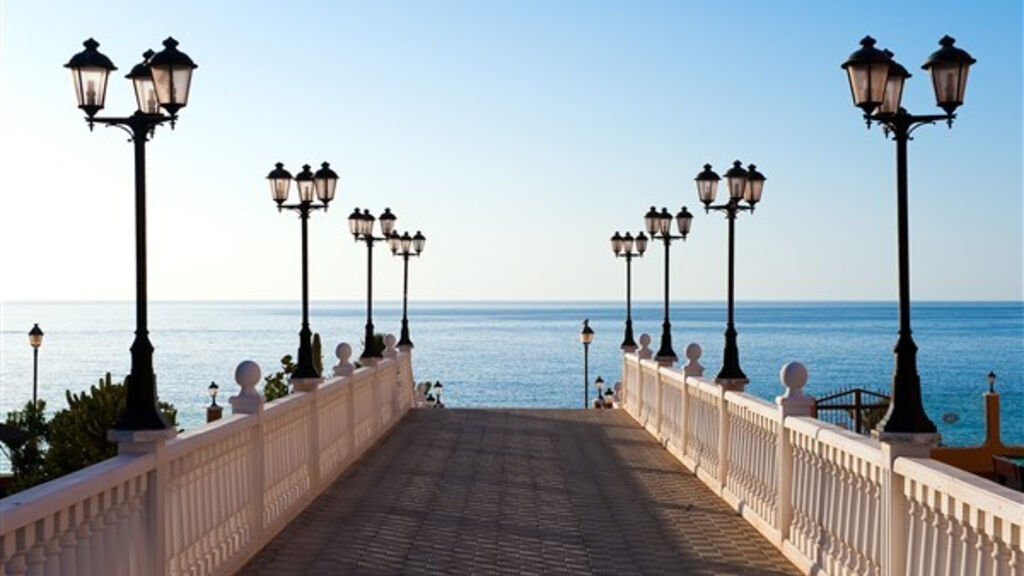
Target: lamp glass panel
[
  {"x": 145, "y": 95},
  {"x": 387, "y": 225},
  {"x": 325, "y": 188},
  {"x": 627, "y": 243},
  {"x": 172, "y": 84},
  {"x": 417, "y": 242},
  {"x": 893, "y": 94},
  {"x": 664, "y": 223},
  {"x": 279, "y": 188},
  {"x": 707, "y": 190},
  {"x": 736, "y": 186},
  {"x": 406, "y": 243},
  {"x": 305, "y": 190},
  {"x": 683, "y": 223},
  {"x": 950, "y": 82},
  {"x": 752, "y": 192},
  {"x": 641, "y": 243},
  {"x": 867, "y": 80},
  {"x": 90, "y": 85}
]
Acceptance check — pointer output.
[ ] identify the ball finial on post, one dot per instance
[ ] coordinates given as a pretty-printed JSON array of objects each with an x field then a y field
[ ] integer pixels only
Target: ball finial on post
[
  {"x": 248, "y": 400},
  {"x": 344, "y": 354}
]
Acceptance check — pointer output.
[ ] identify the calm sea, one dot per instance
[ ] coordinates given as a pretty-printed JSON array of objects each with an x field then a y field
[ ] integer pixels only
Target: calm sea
[{"x": 528, "y": 354}]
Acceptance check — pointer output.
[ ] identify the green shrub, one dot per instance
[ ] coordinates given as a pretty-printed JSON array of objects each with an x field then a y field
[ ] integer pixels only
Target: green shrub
[{"x": 76, "y": 437}]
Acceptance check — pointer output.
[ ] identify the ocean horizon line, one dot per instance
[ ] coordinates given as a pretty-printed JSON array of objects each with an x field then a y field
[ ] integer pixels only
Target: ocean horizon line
[{"x": 526, "y": 301}]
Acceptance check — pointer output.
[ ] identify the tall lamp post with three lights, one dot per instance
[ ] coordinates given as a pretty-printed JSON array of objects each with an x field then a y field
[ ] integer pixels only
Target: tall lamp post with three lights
[
  {"x": 743, "y": 185},
  {"x": 162, "y": 82},
  {"x": 876, "y": 84},
  {"x": 360, "y": 224},
  {"x": 406, "y": 246},
  {"x": 659, "y": 226},
  {"x": 623, "y": 247},
  {"x": 324, "y": 183}
]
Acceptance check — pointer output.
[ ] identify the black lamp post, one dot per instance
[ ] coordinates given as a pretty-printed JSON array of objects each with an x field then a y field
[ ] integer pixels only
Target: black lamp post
[
  {"x": 622, "y": 246},
  {"x": 742, "y": 185},
  {"x": 324, "y": 182},
  {"x": 586, "y": 336},
  {"x": 876, "y": 83},
  {"x": 161, "y": 81},
  {"x": 35, "y": 338},
  {"x": 406, "y": 246},
  {"x": 361, "y": 226},
  {"x": 659, "y": 226}
]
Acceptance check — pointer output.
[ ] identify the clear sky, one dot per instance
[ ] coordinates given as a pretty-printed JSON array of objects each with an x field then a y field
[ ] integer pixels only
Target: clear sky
[{"x": 518, "y": 136}]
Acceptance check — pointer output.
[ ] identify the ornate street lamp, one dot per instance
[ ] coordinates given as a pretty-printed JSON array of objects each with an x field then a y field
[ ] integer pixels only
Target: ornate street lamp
[
  {"x": 599, "y": 385},
  {"x": 406, "y": 246},
  {"x": 324, "y": 183},
  {"x": 623, "y": 247},
  {"x": 876, "y": 84},
  {"x": 586, "y": 337},
  {"x": 743, "y": 185},
  {"x": 360, "y": 224},
  {"x": 161, "y": 82},
  {"x": 35, "y": 339},
  {"x": 659, "y": 226}
]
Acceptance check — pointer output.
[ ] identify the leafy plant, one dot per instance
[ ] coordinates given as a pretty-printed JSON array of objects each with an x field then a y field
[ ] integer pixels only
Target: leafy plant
[
  {"x": 24, "y": 436},
  {"x": 276, "y": 385},
  {"x": 76, "y": 437}
]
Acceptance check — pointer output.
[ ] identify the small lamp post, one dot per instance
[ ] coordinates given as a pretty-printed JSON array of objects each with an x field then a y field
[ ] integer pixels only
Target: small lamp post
[
  {"x": 623, "y": 247},
  {"x": 161, "y": 82},
  {"x": 991, "y": 382},
  {"x": 360, "y": 224},
  {"x": 586, "y": 337},
  {"x": 437, "y": 389},
  {"x": 35, "y": 339},
  {"x": 324, "y": 183},
  {"x": 599, "y": 384},
  {"x": 876, "y": 84},
  {"x": 609, "y": 398},
  {"x": 743, "y": 185},
  {"x": 213, "y": 411},
  {"x": 406, "y": 246},
  {"x": 659, "y": 226}
]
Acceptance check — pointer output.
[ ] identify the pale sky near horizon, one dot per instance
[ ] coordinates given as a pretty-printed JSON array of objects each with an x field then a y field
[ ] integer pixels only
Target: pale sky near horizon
[{"x": 517, "y": 136}]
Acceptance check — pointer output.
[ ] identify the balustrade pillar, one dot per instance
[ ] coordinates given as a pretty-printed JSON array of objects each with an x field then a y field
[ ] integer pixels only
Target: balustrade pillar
[
  {"x": 693, "y": 368},
  {"x": 895, "y": 508},
  {"x": 793, "y": 403},
  {"x": 249, "y": 401}
]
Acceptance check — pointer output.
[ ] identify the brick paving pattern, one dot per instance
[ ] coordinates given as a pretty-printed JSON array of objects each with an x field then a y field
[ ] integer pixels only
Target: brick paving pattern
[{"x": 519, "y": 492}]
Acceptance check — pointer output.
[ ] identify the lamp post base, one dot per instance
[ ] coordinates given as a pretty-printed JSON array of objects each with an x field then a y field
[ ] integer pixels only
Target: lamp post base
[
  {"x": 300, "y": 384},
  {"x": 732, "y": 384}
]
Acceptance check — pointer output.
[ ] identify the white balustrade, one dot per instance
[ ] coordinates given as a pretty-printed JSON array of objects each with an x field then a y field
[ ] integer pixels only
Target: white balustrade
[
  {"x": 227, "y": 488},
  {"x": 816, "y": 491},
  {"x": 959, "y": 523}
]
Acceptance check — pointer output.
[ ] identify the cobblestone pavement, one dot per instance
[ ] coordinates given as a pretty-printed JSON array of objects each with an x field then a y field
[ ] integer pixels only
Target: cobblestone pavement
[{"x": 519, "y": 492}]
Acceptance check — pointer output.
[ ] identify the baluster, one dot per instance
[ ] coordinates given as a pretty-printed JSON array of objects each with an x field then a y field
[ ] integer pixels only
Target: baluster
[
  {"x": 16, "y": 564},
  {"x": 914, "y": 534},
  {"x": 98, "y": 540},
  {"x": 937, "y": 551},
  {"x": 110, "y": 541},
  {"x": 135, "y": 542},
  {"x": 858, "y": 509},
  {"x": 980, "y": 544},
  {"x": 66, "y": 566},
  {"x": 967, "y": 537},
  {"x": 997, "y": 556},
  {"x": 36, "y": 557},
  {"x": 952, "y": 539}
]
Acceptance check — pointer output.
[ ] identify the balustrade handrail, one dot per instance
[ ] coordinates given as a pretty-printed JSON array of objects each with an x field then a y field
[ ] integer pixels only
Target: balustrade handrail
[
  {"x": 754, "y": 404},
  {"x": 832, "y": 500},
  {"x": 204, "y": 502},
  {"x": 23, "y": 508},
  {"x": 968, "y": 489}
]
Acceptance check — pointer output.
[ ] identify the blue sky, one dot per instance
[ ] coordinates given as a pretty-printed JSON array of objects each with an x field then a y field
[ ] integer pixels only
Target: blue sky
[{"x": 518, "y": 136}]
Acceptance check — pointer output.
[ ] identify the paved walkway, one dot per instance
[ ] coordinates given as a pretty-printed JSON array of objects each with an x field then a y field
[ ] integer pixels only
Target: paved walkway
[{"x": 519, "y": 492}]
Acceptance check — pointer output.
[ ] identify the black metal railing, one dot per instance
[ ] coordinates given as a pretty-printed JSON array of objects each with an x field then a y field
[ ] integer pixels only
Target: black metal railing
[{"x": 856, "y": 409}]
